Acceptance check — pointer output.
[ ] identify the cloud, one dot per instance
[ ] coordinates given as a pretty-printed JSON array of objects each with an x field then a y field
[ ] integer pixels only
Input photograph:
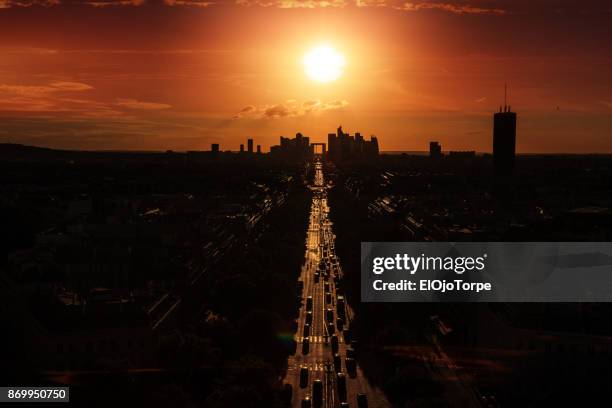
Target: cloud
[
  {"x": 451, "y": 6},
  {"x": 43, "y": 90},
  {"x": 59, "y": 97},
  {"x": 278, "y": 111},
  {"x": 27, "y": 3},
  {"x": 246, "y": 111},
  {"x": 113, "y": 3},
  {"x": 189, "y": 3},
  {"x": 70, "y": 86},
  {"x": 136, "y": 104},
  {"x": 456, "y": 8},
  {"x": 289, "y": 108},
  {"x": 287, "y": 4}
]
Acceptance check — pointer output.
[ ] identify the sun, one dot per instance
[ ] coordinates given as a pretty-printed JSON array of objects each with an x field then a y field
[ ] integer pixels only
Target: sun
[{"x": 324, "y": 64}]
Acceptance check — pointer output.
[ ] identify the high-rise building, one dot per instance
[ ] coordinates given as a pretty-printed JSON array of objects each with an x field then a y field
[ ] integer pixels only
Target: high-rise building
[
  {"x": 241, "y": 148},
  {"x": 214, "y": 147},
  {"x": 250, "y": 145},
  {"x": 504, "y": 141},
  {"x": 258, "y": 149},
  {"x": 297, "y": 148},
  {"x": 435, "y": 150},
  {"x": 343, "y": 146}
]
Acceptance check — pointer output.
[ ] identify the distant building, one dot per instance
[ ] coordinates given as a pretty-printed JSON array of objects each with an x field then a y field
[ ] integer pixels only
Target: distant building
[
  {"x": 297, "y": 148},
  {"x": 435, "y": 150},
  {"x": 250, "y": 145},
  {"x": 214, "y": 147},
  {"x": 241, "y": 148},
  {"x": 258, "y": 149},
  {"x": 504, "y": 141},
  {"x": 342, "y": 146}
]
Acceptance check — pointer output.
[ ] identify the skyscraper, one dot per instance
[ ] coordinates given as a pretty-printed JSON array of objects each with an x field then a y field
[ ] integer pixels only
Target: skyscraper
[
  {"x": 214, "y": 147},
  {"x": 435, "y": 150},
  {"x": 250, "y": 145},
  {"x": 504, "y": 140}
]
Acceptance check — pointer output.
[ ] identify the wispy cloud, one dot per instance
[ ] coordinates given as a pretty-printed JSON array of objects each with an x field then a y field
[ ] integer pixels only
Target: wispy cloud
[
  {"x": 43, "y": 90},
  {"x": 287, "y": 4},
  {"x": 114, "y": 3},
  {"x": 289, "y": 108},
  {"x": 136, "y": 104},
  {"x": 64, "y": 97},
  {"x": 456, "y": 8},
  {"x": 189, "y": 3},
  {"x": 27, "y": 3}
]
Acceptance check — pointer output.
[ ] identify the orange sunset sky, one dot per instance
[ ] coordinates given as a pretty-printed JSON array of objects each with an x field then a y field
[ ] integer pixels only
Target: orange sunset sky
[{"x": 157, "y": 75}]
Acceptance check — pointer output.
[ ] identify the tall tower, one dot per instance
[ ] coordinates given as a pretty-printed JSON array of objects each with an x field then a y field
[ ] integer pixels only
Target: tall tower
[
  {"x": 504, "y": 138},
  {"x": 250, "y": 145}
]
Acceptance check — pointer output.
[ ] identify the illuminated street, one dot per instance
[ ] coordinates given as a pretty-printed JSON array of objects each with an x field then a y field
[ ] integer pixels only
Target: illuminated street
[{"x": 318, "y": 358}]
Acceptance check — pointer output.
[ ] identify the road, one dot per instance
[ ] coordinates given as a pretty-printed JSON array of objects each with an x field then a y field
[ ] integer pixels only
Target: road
[{"x": 318, "y": 358}]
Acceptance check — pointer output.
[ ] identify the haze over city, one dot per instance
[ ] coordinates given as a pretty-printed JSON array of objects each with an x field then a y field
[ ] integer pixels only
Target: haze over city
[{"x": 182, "y": 75}]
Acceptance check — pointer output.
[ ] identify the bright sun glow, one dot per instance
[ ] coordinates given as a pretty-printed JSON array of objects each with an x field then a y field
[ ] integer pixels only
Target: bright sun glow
[{"x": 324, "y": 64}]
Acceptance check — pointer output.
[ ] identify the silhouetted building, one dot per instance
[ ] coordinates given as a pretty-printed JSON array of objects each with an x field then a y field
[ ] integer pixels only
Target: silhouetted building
[
  {"x": 342, "y": 146},
  {"x": 435, "y": 150},
  {"x": 241, "y": 148},
  {"x": 258, "y": 149},
  {"x": 250, "y": 145},
  {"x": 504, "y": 140},
  {"x": 214, "y": 147},
  {"x": 297, "y": 148}
]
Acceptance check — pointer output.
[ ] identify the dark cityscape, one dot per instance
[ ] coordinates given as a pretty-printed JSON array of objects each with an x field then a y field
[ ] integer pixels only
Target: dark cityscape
[
  {"x": 305, "y": 203},
  {"x": 185, "y": 274}
]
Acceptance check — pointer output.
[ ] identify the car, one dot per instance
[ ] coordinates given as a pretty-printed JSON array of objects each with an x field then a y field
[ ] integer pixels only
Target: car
[
  {"x": 306, "y": 403},
  {"x": 331, "y": 328},
  {"x": 309, "y": 318},
  {"x": 337, "y": 363},
  {"x": 303, "y": 377},
  {"x": 306, "y": 331},
  {"x": 344, "y": 405},
  {"x": 334, "y": 343},
  {"x": 340, "y": 306},
  {"x": 329, "y": 315},
  {"x": 347, "y": 335},
  {"x": 339, "y": 323},
  {"x": 309, "y": 303},
  {"x": 351, "y": 367},
  {"x": 317, "y": 393},
  {"x": 328, "y": 297},
  {"x": 316, "y": 277},
  {"x": 362, "y": 401},
  {"x": 350, "y": 353},
  {"x": 305, "y": 345},
  {"x": 326, "y": 286},
  {"x": 341, "y": 382}
]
